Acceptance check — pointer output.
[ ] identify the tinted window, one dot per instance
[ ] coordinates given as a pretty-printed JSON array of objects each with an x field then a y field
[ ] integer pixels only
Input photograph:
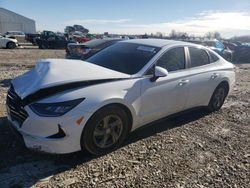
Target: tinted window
[
  {"x": 173, "y": 60},
  {"x": 198, "y": 57},
  {"x": 124, "y": 57},
  {"x": 213, "y": 57}
]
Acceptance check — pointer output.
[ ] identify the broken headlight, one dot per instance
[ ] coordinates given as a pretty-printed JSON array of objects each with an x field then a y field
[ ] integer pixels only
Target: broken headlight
[{"x": 54, "y": 109}]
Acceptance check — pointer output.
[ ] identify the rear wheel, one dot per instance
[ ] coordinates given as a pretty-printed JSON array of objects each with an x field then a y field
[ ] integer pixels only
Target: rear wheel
[
  {"x": 11, "y": 45},
  {"x": 42, "y": 45},
  {"x": 218, "y": 97},
  {"x": 106, "y": 130}
]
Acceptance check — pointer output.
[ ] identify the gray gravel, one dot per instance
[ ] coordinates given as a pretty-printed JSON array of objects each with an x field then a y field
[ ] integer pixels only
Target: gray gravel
[{"x": 195, "y": 149}]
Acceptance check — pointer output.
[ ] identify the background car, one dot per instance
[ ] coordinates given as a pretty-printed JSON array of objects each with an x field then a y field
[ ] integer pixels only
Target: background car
[
  {"x": 242, "y": 53},
  {"x": 230, "y": 45},
  {"x": 87, "y": 49},
  {"x": 94, "y": 105},
  {"x": 8, "y": 42},
  {"x": 19, "y": 35},
  {"x": 219, "y": 47},
  {"x": 31, "y": 37},
  {"x": 80, "y": 37},
  {"x": 50, "y": 40}
]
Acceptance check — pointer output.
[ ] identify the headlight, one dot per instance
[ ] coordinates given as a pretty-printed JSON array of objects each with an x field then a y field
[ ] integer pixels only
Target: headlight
[{"x": 54, "y": 109}]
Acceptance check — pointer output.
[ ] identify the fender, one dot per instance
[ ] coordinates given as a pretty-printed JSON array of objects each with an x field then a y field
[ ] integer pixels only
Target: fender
[{"x": 118, "y": 101}]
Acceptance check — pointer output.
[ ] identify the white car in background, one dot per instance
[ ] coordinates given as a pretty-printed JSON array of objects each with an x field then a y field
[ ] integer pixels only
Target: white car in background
[
  {"x": 18, "y": 35},
  {"x": 8, "y": 43},
  {"x": 63, "y": 106}
]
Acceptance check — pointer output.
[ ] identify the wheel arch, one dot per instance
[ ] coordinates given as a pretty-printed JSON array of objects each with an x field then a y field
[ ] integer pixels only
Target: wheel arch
[
  {"x": 224, "y": 82},
  {"x": 7, "y": 43},
  {"x": 120, "y": 105},
  {"x": 125, "y": 108},
  {"x": 129, "y": 110}
]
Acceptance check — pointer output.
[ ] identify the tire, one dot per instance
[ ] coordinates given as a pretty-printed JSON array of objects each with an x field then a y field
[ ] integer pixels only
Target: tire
[
  {"x": 11, "y": 45},
  {"x": 218, "y": 97},
  {"x": 99, "y": 137},
  {"x": 44, "y": 46}
]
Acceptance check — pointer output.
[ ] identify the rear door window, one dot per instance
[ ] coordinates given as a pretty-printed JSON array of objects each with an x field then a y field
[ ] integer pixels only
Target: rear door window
[
  {"x": 213, "y": 57},
  {"x": 173, "y": 60},
  {"x": 199, "y": 57}
]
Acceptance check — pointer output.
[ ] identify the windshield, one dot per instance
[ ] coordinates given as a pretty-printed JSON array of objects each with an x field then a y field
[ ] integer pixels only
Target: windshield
[{"x": 128, "y": 58}]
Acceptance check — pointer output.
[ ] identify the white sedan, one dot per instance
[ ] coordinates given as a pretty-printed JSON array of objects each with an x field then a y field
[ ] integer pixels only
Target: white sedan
[
  {"x": 8, "y": 43},
  {"x": 63, "y": 106}
]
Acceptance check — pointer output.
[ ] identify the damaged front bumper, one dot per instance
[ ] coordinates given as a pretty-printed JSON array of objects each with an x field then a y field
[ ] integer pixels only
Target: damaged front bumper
[
  {"x": 56, "y": 136},
  {"x": 49, "y": 145}
]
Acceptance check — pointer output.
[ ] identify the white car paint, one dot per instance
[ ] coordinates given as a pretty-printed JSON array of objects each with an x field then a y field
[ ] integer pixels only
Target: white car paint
[
  {"x": 51, "y": 72},
  {"x": 147, "y": 101},
  {"x": 18, "y": 35},
  {"x": 4, "y": 41}
]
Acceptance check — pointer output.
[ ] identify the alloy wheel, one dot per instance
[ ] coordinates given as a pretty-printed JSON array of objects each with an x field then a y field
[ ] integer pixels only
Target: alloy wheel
[
  {"x": 11, "y": 45},
  {"x": 108, "y": 131},
  {"x": 219, "y": 97}
]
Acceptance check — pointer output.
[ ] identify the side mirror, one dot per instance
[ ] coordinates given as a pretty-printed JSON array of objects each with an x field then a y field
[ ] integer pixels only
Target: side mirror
[{"x": 158, "y": 72}]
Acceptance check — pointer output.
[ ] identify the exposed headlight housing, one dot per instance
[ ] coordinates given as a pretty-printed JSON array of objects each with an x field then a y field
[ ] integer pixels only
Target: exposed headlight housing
[{"x": 54, "y": 109}]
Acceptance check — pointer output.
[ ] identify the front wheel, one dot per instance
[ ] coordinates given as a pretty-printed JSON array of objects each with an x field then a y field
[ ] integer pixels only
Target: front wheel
[
  {"x": 106, "y": 130},
  {"x": 218, "y": 98},
  {"x": 11, "y": 45}
]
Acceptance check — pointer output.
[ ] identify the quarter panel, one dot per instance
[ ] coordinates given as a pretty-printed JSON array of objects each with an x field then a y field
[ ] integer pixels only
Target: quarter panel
[{"x": 202, "y": 83}]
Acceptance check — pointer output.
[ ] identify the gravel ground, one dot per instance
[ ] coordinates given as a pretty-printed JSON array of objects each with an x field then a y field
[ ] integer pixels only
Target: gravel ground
[{"x": 195, "y": 149}]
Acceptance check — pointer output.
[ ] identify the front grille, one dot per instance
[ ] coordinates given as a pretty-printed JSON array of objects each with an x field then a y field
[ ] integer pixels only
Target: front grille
[{"x": 16, "y": 109}]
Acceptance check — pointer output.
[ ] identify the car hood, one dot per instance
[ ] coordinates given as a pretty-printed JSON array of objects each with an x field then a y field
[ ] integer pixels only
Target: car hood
[{"x": 55, "y": 72}]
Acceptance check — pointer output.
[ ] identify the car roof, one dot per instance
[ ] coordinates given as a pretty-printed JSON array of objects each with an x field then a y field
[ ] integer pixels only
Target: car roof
[
  {"x": 156, "y": 42},
  {"x": 14, "y": 31}
]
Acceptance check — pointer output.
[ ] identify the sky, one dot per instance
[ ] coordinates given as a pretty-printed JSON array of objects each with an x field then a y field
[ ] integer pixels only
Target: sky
[{"x": 229, "y": 17}]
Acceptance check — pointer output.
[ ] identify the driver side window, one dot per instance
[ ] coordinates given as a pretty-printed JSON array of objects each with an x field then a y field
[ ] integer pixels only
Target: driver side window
[{"x": 172, "y": 60}]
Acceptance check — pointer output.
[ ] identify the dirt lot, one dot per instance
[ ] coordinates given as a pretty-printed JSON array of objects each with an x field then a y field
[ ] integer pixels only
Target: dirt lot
[{"x": 193, "y": 150}]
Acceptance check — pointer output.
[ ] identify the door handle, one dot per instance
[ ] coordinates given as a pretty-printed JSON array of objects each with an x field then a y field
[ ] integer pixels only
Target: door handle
[
  {"x": 215, "y": 75},
  {"x": 183, "y": 82}
]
